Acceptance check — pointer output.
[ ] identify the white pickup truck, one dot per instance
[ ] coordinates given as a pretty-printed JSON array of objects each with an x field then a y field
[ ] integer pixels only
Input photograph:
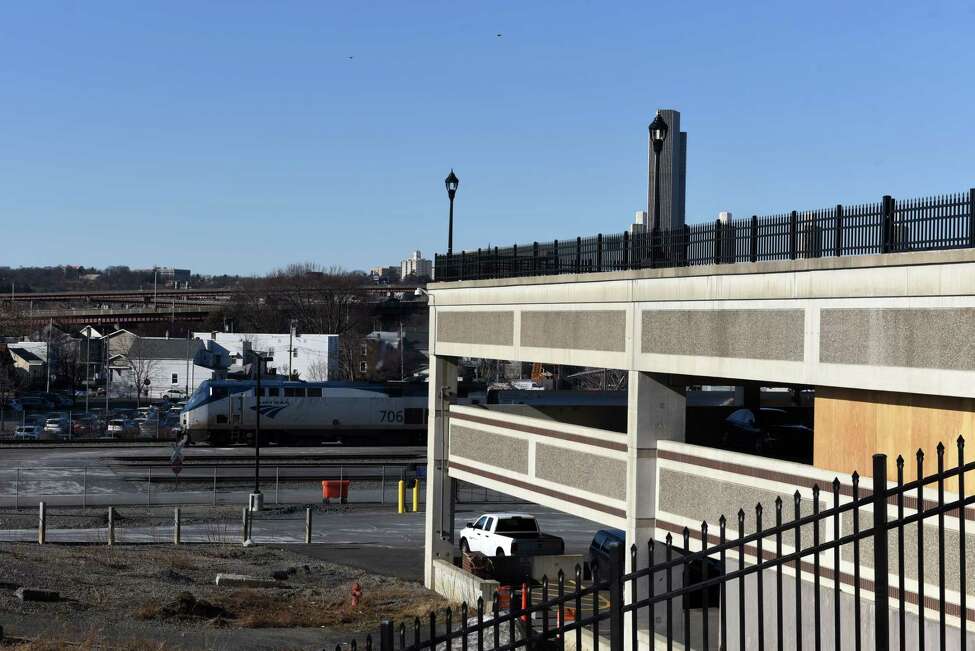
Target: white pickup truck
[{"x": 508, "y": 534}]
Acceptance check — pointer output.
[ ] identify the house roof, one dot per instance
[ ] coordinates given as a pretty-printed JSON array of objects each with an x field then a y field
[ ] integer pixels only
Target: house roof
[
  {"x": 160, "y": 348},
  {"x": 25, "y": 355}
]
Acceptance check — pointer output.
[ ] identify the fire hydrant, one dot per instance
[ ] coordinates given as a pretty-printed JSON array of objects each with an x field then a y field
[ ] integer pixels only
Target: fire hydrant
[{"x": 356, "y": 594}]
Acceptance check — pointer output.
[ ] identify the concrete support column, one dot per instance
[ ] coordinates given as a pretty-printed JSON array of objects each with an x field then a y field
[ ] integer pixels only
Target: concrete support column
[
  {"x": 655, "y": 411},
  {"x": 439, "y": 540}
]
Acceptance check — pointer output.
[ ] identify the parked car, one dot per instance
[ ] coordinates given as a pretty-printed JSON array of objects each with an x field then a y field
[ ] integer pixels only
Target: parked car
[
  {"x": 12, "y": 405},
  {"x": 175, "y": 394},
  {"x": 27, "y": 433},
  {"x": 121, "y": 427},
  {"x": 57, "y": 426},
  {"x": 600, "y": 547},
  {"x": 508, "y": 534},
  {"x": 771, "y": 430}
]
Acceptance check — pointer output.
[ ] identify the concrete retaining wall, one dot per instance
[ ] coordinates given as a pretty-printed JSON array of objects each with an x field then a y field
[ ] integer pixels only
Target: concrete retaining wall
[{"x": 459, "y": 586}]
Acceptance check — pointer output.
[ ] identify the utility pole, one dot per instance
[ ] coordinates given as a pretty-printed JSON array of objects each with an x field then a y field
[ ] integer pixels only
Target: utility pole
[
  {"x": 155, "y": 275},
  {"x": 291, "y": 350},
  {"x": 108, "y": 378},
  {"x": 402, "y": 372},
  {"x": 187, "y": 376},
  {"x": 87, "y": 367},
  {"x": 50, "y": 326}
]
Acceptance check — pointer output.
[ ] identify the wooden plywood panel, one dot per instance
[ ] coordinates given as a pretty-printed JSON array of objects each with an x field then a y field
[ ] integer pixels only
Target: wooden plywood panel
[{"x": 851, "y": 425}]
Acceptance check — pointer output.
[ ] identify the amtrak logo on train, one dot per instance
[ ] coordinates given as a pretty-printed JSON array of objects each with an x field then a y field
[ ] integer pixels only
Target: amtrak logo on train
[{"x": 270, "y": 410}]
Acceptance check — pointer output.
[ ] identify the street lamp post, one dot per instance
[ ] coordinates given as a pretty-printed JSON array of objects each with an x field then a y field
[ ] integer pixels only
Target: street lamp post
[
  {"x": 256, "y": 498},
  {"x": 451, "y": 182},
  {"x": 658, "y": 133}
]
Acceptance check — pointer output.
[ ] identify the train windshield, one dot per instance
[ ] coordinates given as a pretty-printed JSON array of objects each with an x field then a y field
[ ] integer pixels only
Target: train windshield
[{"x": 199, "y": 396}]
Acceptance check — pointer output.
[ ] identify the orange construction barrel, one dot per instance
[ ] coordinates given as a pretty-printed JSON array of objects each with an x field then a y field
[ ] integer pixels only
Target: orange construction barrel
[{"x": 335, "y": 488}]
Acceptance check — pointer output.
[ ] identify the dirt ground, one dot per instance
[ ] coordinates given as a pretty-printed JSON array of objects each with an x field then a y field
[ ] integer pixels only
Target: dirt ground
[{"x": 161, "y": 597}]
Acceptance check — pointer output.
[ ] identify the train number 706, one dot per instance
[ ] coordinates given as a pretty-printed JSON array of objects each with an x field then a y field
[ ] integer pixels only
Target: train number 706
[{"x": 390, "y": 416}]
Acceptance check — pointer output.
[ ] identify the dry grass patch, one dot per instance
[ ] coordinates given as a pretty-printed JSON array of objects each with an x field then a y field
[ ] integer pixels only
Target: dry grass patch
[
  {"x": 260, "y": 609},
  {"x": 92, "y": 642}
]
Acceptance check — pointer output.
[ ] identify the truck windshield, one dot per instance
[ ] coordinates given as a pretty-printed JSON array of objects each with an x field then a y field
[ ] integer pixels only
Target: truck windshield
[{"x": 516, "y": 525}]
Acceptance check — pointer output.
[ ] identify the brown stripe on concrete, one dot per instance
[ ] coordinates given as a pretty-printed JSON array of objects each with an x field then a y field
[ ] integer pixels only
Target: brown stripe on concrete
[
  {"x": 646, "y": 453},
  {"x": 910, "y": 501},
  {"x": 826, "y": 573},
  {"x": 528, "y": 429},
  {"x": 535, "y": 488}
]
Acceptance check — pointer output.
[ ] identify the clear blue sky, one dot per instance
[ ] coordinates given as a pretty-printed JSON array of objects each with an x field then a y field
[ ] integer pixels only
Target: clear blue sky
[{"x": 238, "y": 136}]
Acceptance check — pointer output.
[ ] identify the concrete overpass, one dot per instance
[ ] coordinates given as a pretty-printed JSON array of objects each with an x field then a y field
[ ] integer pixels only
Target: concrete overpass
[
  {"x": 888, "y": 342},
  {"x": 166, "y": 296}
]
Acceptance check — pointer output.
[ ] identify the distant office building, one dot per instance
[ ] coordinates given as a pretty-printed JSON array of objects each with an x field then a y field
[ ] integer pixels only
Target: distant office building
[
  {"x": 385, "y": 274},
  {"x": 673, "y": 174},
  {"x": 641, "y": 222},
  {"x": 416, "y": 265}
]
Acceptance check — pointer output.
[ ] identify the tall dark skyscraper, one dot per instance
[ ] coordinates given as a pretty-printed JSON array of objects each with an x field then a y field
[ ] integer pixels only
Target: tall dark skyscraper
[{"x": 673, "y": 174}]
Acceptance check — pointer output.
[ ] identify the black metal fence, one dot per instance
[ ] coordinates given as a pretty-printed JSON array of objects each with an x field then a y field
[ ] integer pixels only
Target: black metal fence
[
  {"x": 749, "y": 592},
  {"x": 889, "y": 226}
]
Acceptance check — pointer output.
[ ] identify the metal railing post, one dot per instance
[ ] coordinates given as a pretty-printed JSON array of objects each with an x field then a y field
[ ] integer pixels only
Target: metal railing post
[
  {"x": 214, "y": 500},
  {"x": 382, "y": 487},
  {"x": 793, "y": 235},
  {"x": 535, "y": 258},
  {"x": 887, "y": 224},
  {"x": 17, "y": 490},
  {"x": 838, "y": 235},
  {"x": 599, "y": 252},
  {"x": 41, "y": 523},
  {"x": 386, "y": 635},
  {"x": 149, "y": 486},
  {"x": 717, "y": 241},
  {"x": 277, "y": 484},
  {"x": 244, "y": 522},
  {"x": 626, "y": 249},
  {"x": 176, "y": 526},
  {"x": 307, "y": 525},
  {"x": 84, "y": 489},
  {"x": 514, "y": 260},
  {"x": 578, "y": 254},
  {"x": 616, "y": 598},
  {"x": 881, "y": 599},
  {"x": 754, "y": 239},
  {"x": 971, "y": 217}
]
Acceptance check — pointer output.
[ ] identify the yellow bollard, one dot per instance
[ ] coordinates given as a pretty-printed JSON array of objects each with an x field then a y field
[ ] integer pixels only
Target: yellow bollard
[
  {"x": 416, "y": 495},
  {"x": 400, "y": 496}
]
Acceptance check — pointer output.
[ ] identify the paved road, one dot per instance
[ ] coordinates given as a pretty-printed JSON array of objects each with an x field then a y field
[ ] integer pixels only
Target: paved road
[{"x": 69, "y": 476}]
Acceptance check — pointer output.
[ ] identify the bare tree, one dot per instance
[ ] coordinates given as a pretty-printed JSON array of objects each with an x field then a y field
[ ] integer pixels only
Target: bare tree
[
  {"x": 65, "y": 359},
  {"x": 12, "y": 321},
  {"x": 321, "y": 300},
  {"x": 318, "y": 370},
  {"x": 141, "y": 366}
]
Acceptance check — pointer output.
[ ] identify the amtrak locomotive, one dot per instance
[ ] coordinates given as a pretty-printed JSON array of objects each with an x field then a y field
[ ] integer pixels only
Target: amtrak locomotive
[{"x": 224, "y": 411}]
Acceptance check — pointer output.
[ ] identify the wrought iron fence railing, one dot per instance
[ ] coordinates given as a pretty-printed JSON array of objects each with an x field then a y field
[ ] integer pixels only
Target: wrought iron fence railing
[
  {"x": 888, "y": 226},
  {"x": 829, "y": 588}
]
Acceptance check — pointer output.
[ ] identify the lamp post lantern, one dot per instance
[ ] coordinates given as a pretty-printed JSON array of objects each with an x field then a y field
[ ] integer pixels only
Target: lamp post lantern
[
  {"x": 451, "y": 182},
  {"x": 658, "y": 133}
]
